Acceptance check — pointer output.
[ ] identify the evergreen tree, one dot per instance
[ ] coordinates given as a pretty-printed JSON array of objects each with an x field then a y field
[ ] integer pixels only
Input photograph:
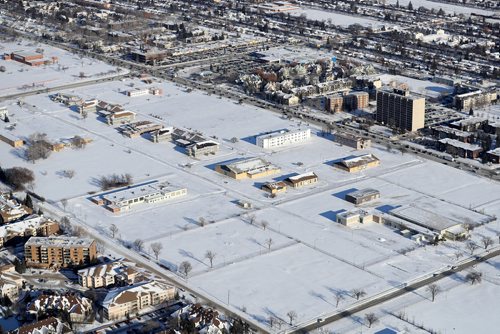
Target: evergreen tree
[
  {"x": 410, "y": 6},
  {"x": 28, "y": 201}
]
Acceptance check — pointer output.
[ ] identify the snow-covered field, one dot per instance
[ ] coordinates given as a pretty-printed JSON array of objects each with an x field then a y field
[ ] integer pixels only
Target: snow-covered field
[
  {"x": 338, "y": 19},
  {"x": 19, "y": 78},
  {"x": 448, "y": 8},
  {"x": 310, "y": 258},
  {"x": 422, "y": 87}
]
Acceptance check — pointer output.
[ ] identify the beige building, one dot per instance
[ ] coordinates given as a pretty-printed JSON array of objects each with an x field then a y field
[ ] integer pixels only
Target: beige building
[
  {"x": 350, "y": 218},
  {"x": 11, "y": 209},
  {"x": 274, "y": 187},
  {"x": 251, "y": 168},
  {"x": 129, "y": 300},
  {"x": 31, "y": 226},
  {"x": 104, "y": 275},
  {"x": 356, "y": 100},
  {"x": 358, "y": 163},
  {"x": 59, "y": 251},
  {"x": 334, "y": 103},
  {"x": 301, "y": 180},
  {"x": 398, "y": 109},
  {"x": 10, "y": 284}
]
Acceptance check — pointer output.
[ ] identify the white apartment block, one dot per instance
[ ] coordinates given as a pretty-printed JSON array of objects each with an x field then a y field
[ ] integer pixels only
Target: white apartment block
[
  {"x": 283, "y": 138},
  {"x": 107, "y": 274}
]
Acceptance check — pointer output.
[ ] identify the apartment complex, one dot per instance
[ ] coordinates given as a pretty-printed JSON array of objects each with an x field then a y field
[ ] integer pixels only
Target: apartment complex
[
  {"x": 283, "y": 138},
  {"x": 107, "y": 274},
  {"x": 474, "y": 99},
  {"x": 11, "y": 209},
  {"x": 130, "y": 300},
  {"x": 398, "y": 109},
  {"x": 460, "y": 149},
  {"x": 251, "y": 168},
  {"x": 356, "y": 100},
  {"x": 124, "y": 199},
  {"x": 79, "y": 308},
  {"x": 59, "y": 251},
  {"x": 31, "y": 226}
]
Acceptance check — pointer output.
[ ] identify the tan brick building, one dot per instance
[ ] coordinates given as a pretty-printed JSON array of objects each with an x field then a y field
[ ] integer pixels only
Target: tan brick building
[{"x": 59, "y": 251}]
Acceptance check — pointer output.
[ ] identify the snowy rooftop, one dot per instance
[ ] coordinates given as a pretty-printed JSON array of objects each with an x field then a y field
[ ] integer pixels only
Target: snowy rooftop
[
  {"x": 132, "y": 291},
  {"x": 281, "y": 133},
  {"x": 60, "y": 242},
  {"x": 140, "y": 191},
  {"x": 303, "y": 176},
  {"x": 469, "y": 121},
  {"x": 359, "y": 160},
  {"x": 364, "y": 192},
  {"x": 458, "y": 143},
  {"x": 251, "y": 165}
]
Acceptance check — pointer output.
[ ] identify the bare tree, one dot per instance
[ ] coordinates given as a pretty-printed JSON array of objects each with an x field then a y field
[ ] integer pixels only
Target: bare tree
[
  {"x": 64, "y": 203},
  {"x": 18, "y": 177},
  {"x": 202, "y": 222},
  {"x": 251, "y": 219},
  {"x": 292, "y": 315},
  {"x": 68, "y": 173},
  {"x": 471, "y": 246},
  {"x": 185, "y": 268},
  {"x": 339, "y": 296},
  {"x": 371, "y": 318},
  {"x": 433, "y": 290},
  {"x": 210, "y": 255},
  {"x": 358, "y": 293},
  {"x": 458, "y": 255},
  {"x": 474, "y": 277},
  {"x": 138, "y": 245},
  {"x": 38, "y": 148},
  {"x": 114, "y": 230},
  {"x": 84, "y": 114},
  {"x": 78, "y": 142},
  {"x": 264, "y": 224},
  {"x": 269, "y": 243},
  {"x": 487, "y": 242},
  {"x": 156, "y": 248}
]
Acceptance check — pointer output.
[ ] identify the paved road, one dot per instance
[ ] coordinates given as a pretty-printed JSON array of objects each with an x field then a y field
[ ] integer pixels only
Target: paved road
[{"x": 308, "y": 327}]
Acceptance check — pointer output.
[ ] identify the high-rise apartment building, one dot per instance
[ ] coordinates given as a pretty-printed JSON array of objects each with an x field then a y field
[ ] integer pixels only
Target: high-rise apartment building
[{"x": 398, "y": 109}]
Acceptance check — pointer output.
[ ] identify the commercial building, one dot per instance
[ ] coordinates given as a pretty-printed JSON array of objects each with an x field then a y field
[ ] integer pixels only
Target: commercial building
[
  {"x": 136, "y": 129},
  {"x": 357, "y": 142},
  {"x": 59, "y": 251},
  {"x": 358, "y": 163},
  {"x": 30, "y": 58},
  {"x": 283, "y": 138},
  {"x": 11, "y": 139},
  {"x": 251, "y": 168},
  {"x": 124, "y": 199},
  {"x": 301, "y": 180},
  {"x": 129, "y": 300},
  {"x": 362, "y": 196},
  {"x": 120, "y": 117},
  {"x": 162, "y": 135},
  {"x": 202, "y": 148},
  {"x": 89, "y": 106},
  {"x": 354, "y": 217},
  {"x": 144, "y": 91},
  {"x": 398, "y": 109},
  {"x": 459, "y": 149},
  {"x": 274, "y": 187},
  {"x": 104, "y": 275}
]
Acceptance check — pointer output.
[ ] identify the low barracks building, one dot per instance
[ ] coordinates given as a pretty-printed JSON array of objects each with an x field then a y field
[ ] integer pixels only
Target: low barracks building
[{"x": 59, "y": 251}]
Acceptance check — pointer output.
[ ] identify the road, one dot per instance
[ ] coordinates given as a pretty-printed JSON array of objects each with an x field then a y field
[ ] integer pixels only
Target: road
[{"x": 394, "y": 293}]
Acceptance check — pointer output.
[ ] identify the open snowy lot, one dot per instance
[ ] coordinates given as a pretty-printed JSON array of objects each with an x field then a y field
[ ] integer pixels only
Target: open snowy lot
[
  {"x": 336, "y": 18},
  {"x": 309, "y": 258},
  {"x": 69, "y": 68}
]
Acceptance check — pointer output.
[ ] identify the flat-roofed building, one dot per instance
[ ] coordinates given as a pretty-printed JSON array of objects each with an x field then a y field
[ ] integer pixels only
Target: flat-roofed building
[
  {"x": 301, "y": 180},
  {"x": 124, "y": 199},
  {"x": 11, "y": 139},
  {"x": 59, "y": 251},
  {"x": 202, "y": 148},
  {"x": 398, "y": 109},
  {"x": 88, "y": 106},
  {"x": 283, "y": 138},
  {"x": 460, "y": 149},
  {"x": 334, "y": 103},
  {"x": 470, "y": 124},
  {"x": 362, "y": 196},
  {"x": 31, "y": 226},
  {"x": 250, "y": 168},
  {"x": 358, "y": 163},
  {"x": 357, "y": 142},
  {"x": 442, "y": 132},
  {"x": 162, "y": 135},
  {"x": 474, "y": 99},
  {"x": 129, "y": 300},
  {"x": 274, "y": 187},
  {"x": 493, "y": 156},
  {"x": 120, "y": 117},
  {"x": 356, "y": 100},
  {"x": 136, "y": 129},
  {"x": 354, "y": 217}
]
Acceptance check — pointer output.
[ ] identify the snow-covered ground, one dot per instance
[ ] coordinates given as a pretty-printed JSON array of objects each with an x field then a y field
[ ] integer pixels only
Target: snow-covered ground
[
  {"x": 338, "y": 19},
  {"x": 310, "y": 258},
  {"x": 422, "y": 87},
  {"x": 19, "y": 78},
  {"x": 447, "y": 7}
]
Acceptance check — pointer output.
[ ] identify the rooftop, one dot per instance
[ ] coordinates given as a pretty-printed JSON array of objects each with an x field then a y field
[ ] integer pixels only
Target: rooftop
[
  {"x": 150, "y": 189},
  {"x": 364, "y": 192},
  {"x": 458, "y": 143},
  {"x": 60, "y": 242},
  {"x": 250, "y": 165},
  {"x": 279, "y": 133},
  {"x": 358, "y": 161}
]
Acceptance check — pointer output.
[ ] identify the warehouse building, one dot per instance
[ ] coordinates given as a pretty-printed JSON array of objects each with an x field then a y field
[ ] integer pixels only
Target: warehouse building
[
  {"x": 251, "y": 168},
  {"x": 362, "y": 196}
]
